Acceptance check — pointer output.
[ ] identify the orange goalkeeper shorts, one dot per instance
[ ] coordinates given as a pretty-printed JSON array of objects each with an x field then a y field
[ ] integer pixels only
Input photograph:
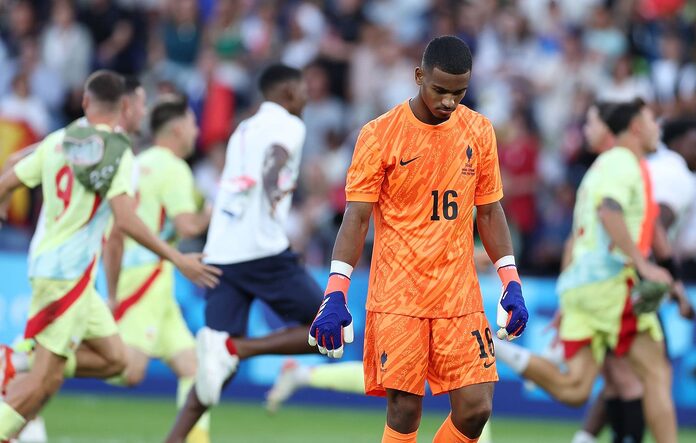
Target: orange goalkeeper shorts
[{"x": 403, "y": 352}]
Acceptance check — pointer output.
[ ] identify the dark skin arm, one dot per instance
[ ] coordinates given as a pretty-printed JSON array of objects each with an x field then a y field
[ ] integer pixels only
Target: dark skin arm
[
  {"x": 667, "y": 216},
  {"x": 493, "y": 230},
  {"x": 662, "y": 250},
  {"x": 351, "y": 236}
]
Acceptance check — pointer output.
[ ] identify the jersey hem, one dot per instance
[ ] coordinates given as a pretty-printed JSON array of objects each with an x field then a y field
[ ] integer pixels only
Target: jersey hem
[{"x": 431, "y": 317}]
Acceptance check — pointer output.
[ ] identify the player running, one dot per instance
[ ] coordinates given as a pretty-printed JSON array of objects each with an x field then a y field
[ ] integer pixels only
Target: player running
[
  {"x": 422, "y": 168},
  {"x": 81, "y": 169},
  {"x": 613, "y": 231},
  {"x": 247, "y": 241},
  {"x": 142, "y": 292},
  {"x": 132, "y": 114}
]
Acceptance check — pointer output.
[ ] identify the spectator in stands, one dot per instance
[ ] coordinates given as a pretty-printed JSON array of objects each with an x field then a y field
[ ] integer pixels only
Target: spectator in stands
[
  {"x": 67, "y": 46},
  {"x": 21, "y": 106},
  {"x": 625, "y": 85},
  {"x": 112, "y": 31},
  {"x": 673, "y": 75},
  {"x": 21, "y": 25},
  {"x": 324, "y": 114}
]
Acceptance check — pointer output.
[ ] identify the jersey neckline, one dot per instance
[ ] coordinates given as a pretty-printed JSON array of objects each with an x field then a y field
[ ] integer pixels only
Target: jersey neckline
[{"x": 439, "y": 127}]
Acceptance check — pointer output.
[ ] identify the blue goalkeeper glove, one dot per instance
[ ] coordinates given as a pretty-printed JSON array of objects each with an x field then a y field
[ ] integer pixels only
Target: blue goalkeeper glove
[
  {"x": 512, "y": 313},
  {"x": 333, "y": 324}
]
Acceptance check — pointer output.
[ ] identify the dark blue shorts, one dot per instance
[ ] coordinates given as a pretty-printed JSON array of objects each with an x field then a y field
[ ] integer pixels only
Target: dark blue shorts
[{"x": 280, "y": 281}]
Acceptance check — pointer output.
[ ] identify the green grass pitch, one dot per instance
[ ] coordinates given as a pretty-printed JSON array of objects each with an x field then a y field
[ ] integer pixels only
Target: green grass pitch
[{"x": 74, "y": 418}]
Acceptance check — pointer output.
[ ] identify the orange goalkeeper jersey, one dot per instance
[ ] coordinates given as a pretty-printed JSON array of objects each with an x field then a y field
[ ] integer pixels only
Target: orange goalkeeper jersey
[{"x": 425, "y": 181}]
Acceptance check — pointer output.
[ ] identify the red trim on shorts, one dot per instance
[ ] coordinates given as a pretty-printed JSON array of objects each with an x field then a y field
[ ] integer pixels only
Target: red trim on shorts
[
  {"x": 572, "y": 347},
  {"x": 627, "y": 331},
  {"x": 55, "y": 309},
  {"x": 135, "y": 297},
  {"x": 629, "y": 324}
]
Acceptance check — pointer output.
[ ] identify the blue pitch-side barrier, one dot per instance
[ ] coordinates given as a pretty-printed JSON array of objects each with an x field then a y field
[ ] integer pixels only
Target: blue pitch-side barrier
[{"x": 255, "y": 375}]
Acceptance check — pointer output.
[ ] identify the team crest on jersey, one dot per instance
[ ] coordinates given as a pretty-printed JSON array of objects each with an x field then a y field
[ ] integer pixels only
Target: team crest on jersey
[
  {"x": 469, "y": 169},
  {"x": 383, "y": 360},
  {"x": 85, "y": 152}
]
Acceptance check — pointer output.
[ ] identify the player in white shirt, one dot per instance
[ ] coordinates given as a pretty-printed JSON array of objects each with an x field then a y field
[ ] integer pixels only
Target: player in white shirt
[
  {"x": 248, "y": 242},
  {"x": 674, "y": 184}
]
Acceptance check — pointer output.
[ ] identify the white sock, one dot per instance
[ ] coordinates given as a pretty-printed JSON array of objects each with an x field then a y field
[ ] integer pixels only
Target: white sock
[
  {"x": 20, "y": 361},
  {"x": 303, "y": 374},
  {"x": 512, "y": 355},
  {"x": 584, "y": 437}
]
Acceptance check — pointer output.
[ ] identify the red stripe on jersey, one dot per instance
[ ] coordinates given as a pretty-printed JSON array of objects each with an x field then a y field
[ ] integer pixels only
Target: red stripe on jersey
[
  {"x": 132, "y": 299},
  {"x": 629, "y": 324},
  {"x": 55, "y": 309},
  {"x": 95, "y": 207},
  {"x": 163, "y": 218},
  {"x": 652, "y": 211}
]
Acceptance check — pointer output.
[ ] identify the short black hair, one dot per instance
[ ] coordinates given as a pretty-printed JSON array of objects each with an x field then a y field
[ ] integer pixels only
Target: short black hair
[
  {"x": 131, "y": 83},
  {"x": 448, "y": 53},
  {"x": 106, "y": 87},
  {"x": 676, "y": 128},
  {"x": 618, "y": 115},
  {"x": 276, "y": 74},
  {"x": 167, "y": 108}
]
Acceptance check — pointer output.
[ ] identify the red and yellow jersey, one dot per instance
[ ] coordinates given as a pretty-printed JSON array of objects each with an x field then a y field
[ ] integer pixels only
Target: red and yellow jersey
[{"x": 425, "y": 181}]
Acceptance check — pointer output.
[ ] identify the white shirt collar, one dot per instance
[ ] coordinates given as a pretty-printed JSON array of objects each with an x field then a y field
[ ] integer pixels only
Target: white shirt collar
[{"x": 272, "y": 107}]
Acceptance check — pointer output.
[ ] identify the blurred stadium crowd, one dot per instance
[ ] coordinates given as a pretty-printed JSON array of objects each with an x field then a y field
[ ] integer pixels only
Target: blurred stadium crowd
[{"x": 538, "y": 65}]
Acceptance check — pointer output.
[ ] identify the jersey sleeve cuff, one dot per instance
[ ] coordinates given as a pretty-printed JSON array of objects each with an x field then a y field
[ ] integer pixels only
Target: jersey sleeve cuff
[
  {"x": 488, "y": 198},
  {"x": 26, "y": 181},
  {"x": 361, "y": 197}
]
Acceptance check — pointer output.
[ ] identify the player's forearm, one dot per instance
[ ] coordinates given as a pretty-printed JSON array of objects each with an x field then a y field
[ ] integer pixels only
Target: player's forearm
[
  {"x": 661, "y": 247},
  {"x": 493, "y": 230},
  {"x": 8, "y": 183},
  {"x": 667, "y": 216},
  {"x": 350, "y": 240},
  {"x": 113, "y": 257},
  {"x": 130, "y": 224},
  {"x": 191, "y": 225},
  {"x": 612, "y": 218}
]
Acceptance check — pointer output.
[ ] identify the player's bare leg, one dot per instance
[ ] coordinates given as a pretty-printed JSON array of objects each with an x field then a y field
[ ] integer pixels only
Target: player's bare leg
[
  {"x": 27, "y": 395},
  {"x": 184, "y": 365},
  {"x": 136, "y": 367},
  {"x": 595, "y": 419},
  {"x": 616, "y": 404},
  {"x": 624, "y": 391},
  {"x": 288, "y": 341},
  {"x": 572, "y": 387},
  {"x": 647, "y": 357},
  {"x": 188, "y": 416},
  {"x": 101, "y": 357},
  {"x": 471, "y": 408},
  {"x": 403, "y": 416}
]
